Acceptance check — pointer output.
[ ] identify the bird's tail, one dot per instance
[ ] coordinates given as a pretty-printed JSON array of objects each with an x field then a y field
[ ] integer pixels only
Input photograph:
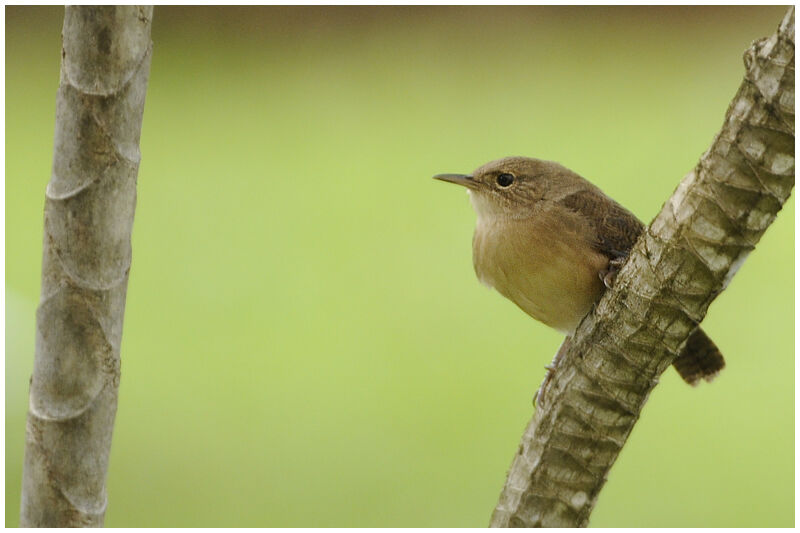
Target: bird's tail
[{"x": 700, "y": 359}]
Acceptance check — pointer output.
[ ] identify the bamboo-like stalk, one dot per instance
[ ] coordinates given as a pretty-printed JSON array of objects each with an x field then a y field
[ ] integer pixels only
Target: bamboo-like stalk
[{"x": 88, "y": 218}]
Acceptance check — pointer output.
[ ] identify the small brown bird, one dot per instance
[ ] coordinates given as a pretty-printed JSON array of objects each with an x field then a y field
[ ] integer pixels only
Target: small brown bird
[{"x": 551, "y": 242}]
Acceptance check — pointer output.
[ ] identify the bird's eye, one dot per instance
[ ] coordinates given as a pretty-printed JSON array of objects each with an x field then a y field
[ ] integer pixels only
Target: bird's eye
[{"x": 504, "y": 180}]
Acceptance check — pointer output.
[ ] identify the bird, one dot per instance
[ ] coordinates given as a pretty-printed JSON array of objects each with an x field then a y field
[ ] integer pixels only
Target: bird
[{"x": 552, "y": 242}]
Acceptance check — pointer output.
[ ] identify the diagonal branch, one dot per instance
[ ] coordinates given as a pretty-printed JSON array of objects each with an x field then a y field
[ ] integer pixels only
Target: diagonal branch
[{"x": 680, "y": 264}]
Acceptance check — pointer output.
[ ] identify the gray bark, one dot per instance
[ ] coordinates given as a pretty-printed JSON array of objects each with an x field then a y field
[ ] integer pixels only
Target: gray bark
[
  {"x": 88, "y": 218},
  {"x": 684, "y": 260}
]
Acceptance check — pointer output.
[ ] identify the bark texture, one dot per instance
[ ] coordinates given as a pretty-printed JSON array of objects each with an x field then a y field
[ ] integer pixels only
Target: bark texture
[
  {"x": 88, "y": 218},
  {"x": 686, "y": 258}
]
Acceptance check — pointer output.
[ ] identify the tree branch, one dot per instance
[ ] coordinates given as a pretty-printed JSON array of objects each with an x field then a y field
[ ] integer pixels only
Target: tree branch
[
  {"x": 681, "y": 263},
  {"x": 88, "y": 218}
]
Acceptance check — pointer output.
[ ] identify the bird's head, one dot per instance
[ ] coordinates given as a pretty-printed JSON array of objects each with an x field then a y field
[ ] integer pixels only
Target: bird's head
[{"x": 513, "y": 186}]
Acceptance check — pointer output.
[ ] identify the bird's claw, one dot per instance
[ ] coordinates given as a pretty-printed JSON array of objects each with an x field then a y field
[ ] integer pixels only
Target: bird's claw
[
  {"x": 538, "y": 397},
  {"x": 609, "y": 275}
]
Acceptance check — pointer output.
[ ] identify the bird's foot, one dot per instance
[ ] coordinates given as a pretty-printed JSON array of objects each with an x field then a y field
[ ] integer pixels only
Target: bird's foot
[
  {"x": 538, "y": 398},
  {"x": 609, "y": 275}
]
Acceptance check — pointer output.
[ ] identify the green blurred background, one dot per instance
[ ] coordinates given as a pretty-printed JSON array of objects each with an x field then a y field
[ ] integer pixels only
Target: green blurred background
[{"x": 305, "y": 341}]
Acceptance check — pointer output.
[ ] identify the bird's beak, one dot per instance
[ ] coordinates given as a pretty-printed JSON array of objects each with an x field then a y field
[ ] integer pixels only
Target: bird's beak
[{"x": 458, "y": 179}]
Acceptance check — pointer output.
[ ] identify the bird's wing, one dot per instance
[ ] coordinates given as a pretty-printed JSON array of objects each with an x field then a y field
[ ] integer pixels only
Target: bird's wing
[{"x": 616, "y": 228}]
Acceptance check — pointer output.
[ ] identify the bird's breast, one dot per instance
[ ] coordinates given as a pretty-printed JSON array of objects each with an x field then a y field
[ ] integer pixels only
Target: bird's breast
[{"x": 545, "y": 265}]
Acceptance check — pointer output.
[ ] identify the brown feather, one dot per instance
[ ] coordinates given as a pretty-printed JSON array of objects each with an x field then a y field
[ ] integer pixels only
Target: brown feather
[
  {"x": 616, "y": 228},
  {"x": 699, "y": 359}
]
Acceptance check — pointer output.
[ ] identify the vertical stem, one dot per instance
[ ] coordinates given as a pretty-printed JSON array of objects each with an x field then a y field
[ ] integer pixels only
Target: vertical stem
[{"x": 88, "y": 218}]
